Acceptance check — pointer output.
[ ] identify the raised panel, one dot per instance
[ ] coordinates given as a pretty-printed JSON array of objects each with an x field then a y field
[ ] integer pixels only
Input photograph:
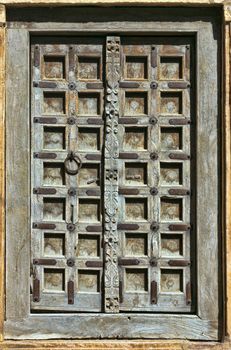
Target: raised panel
[
  {"x": 54, "y": 67},
  {"x": 171, "y": 209},
  {"x": 88, "y": 246},
  {"x": 89, "y": 68},
  {"x": 54, "y": 138},
  {"x": 88, "y": 104},
  {"x": 54, "y": 103},
  {"x": 171, "y": 174},
  {"x": 89, "y": 210},
  {"x": 135, "y": 139},
  {"x": 89, "y": 175},
  {"x": 54, "y": 280},
  {"x": 171, "y": 103},
  {"x": 53, "y": 174},
  {"x": 171, "y": 68},
  {"x": 88, "y": 281},
  {"x": 136, "y": 103},
  {"x": 171, "y": 139},
  {"x": 54, "y": 209},
  {"x": 88, "y": 139},
  {"x": 171, "y": 281},
  {"x": 136, "y": 280},
  {"x": 171, "y": 245},
  {"x": 54, "y": 244},
  {"x": 135, "y": 174},
  {"x": 136, "y": 67},
  {"x": 136, "y": 244},
  {"x": 136, "y": 209}
]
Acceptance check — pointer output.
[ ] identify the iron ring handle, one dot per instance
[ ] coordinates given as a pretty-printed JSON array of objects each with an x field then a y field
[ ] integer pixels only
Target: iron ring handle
[{"x": 71, "y": 157}]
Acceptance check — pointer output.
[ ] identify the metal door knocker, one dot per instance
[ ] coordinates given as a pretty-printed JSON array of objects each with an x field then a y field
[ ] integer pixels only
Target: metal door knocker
[{"x": 72, "y": 157}]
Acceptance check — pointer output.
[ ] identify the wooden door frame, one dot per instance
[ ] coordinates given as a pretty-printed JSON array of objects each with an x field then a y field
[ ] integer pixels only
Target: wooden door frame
[{"x": 226, "y": 204}]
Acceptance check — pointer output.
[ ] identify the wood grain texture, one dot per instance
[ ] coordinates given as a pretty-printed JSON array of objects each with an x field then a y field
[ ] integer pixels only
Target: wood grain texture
[
  {"x": 2, "y": 170},
  {"x": 209, "y": 325},
  {"x": 51, "y": 62},
  {"x": 116, "y": 345},
  {"x": 114, "y": 2},
  {"x": 111, "y": 326},
  {"x": 120, "y": 345},
  {"x": 207, "y": 161},
  {"x": 111, "y": 205},
  {"x": 17, "y": 194},
  {"x": 227, "y": 175}
]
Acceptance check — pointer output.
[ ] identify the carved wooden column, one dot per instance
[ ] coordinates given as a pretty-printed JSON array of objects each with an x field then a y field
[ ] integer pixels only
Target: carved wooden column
[{"x": 111, "y": 279}]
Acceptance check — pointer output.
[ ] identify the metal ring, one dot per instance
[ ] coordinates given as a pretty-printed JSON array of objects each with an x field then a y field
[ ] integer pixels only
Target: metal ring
[{"x": 71, "y": 157}]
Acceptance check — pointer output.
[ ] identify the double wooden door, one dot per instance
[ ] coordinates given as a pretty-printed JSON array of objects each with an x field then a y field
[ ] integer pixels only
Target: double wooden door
[{"x": 111, "y": 193}]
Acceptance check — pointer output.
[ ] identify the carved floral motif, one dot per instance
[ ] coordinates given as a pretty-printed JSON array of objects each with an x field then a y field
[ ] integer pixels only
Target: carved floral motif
[{"x": 111, "y": 176}]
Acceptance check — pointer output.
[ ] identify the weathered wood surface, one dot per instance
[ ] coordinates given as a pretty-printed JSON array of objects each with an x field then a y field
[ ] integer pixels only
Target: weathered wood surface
[
  {"x": 2, "y": 170},
  {"x": 150, "y": 65},
  {"x": 76, "y": 199},
  {"x": 117, "y": 326},
  {"x": 18, "y": 165},
  {"x": 117, "y": 345},
  {"x": 227, "y": 175},
  {"x": 71, "y": 19},
  {"x": 111, "y": 176},
  {"x": 115, "y": 2},
  {"x": 70, "y": 68},
  {"x": 207, "y": 160},
  {"x": 209, "y": 328}
]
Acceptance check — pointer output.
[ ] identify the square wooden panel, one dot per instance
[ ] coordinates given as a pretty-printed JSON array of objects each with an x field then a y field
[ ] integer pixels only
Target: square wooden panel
[
  {"x": 54, "y": 103},
  {"x": 88, "y": 104},
  {"x": 88, "y": 246},
  {"x": 136, "y": 103},
  {"x": 171, "y": 139},
  {"x": 54, "y": 280},
  {"x": 171, "y": 102},
  {"x": 54, "y": 67},
  {"x": 89, "y": 68},
  {"x": 135, "y": 139},
  {"x": 54, "y": 209},
  {"x": 171, "y": 245},
  {"x": 88, "y": 281},
  {"x": 171, "y": 174},
  {"x": 171, "y": 209},
  {"x": 136, "y": 244},
  {"x": 53, "y": 174},
  {"x": 171, "y": 281},
  {"x": 88, "y": 139},
  {"x": 136, "y": 68},
  {"x": 89, "y": 175},
  {"x": 171, "y": 68},
  {"x": 54, "y": 244},
  {"x": 89, "y": 210},
  {"x": 136, "y": 174},
  {"x": 136, "y": 280},
  {"x": 54, "y": 138},
  {"x": 136, "y": 209}
]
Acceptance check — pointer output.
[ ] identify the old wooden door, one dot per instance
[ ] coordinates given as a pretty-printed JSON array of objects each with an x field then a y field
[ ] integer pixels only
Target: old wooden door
[{"x": 111, "y": 184}]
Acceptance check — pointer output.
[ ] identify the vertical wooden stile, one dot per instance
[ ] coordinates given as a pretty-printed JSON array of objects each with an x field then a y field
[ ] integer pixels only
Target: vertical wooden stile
[
  {"x": 111, "y": 280},
  {"x": 2, "y": 165}
]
